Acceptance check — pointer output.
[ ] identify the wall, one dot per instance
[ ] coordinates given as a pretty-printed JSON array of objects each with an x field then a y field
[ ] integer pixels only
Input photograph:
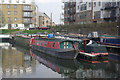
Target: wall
[
  {"x": 104, "y": 28},
  {"x": 5, "y": 10}
]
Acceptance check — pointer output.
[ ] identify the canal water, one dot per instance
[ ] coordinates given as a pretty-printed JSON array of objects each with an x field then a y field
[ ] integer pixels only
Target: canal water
[{"x": 19, "y": 62}]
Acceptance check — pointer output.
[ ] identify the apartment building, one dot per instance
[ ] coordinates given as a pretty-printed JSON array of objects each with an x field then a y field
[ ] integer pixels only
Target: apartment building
[
  {"x": 45, "y": 20},
  {"x": 70, "y": 12},
  {"x": 91, "y": 11},
  {"x": 20, "y": 13}
]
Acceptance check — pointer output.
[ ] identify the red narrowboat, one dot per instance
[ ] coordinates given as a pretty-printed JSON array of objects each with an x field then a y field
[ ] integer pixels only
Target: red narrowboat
[{"x": 55, "y": 47}]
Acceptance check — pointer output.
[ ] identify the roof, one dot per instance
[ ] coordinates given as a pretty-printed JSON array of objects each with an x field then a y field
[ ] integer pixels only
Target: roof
[
  {"x": 43, "y": 14},
  {"x": 52, "y": 39}
]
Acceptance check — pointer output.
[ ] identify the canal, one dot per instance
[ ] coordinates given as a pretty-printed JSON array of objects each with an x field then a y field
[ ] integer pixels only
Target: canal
[{"x": 19, "y": 62}]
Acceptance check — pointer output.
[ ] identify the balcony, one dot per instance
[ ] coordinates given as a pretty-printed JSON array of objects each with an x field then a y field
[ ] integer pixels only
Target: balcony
[
  {"x": 71, "y": 12},
  {"x": 27, "y": 16},
  {"x": 110, "y": 17},
  {"x": 27, "y": 10},
  {"x": 110, "y": 5},
  {"x": 72, "y": 4},
  {"x": 27, "y": 22}
]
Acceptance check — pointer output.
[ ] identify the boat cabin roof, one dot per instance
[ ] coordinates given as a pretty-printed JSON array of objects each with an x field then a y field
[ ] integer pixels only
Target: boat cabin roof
[{"x": 52, "y": 39}]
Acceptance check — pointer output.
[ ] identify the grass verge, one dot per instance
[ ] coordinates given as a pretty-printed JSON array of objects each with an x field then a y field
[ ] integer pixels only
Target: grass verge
[
  {"x": 35, "y": 31},
  {"x": 5, "y": 31}
]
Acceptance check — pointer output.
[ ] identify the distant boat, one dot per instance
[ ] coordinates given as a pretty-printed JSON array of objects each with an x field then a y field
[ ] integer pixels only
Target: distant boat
[
  {"x": 22, "y": 40},
  {"x": 110, "y": 41},
  {"x": 4, "y": 38}
]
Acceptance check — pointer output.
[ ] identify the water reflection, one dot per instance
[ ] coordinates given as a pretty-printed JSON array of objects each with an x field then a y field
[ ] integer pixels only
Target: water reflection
[
  {"x": 20, "y": 62},
  {"x": 60, "y": 66},
  {"x": 79, "y": 69},
  {"x": 16, "y": 62}
]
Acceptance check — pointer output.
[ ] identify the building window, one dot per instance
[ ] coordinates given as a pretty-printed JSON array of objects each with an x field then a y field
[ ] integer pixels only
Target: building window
[
  {"x": 89, "y": 22},
  {"x": 9, "y": 19},
  {"x": 27, "y": 8},
  {"x": 78, "y": 15},
  {"x": 2, "y": 0},
  {"x": 43, "y": 18},
  {"x": 89, "y": 4},
  {"x": 15, "y": 6},
  {"x": 94, "y": 4},
  {"x": 15, "y": 12},
  {"x": 43, "y": 22},
  {"x": 15, "y": 19},
  {"x": 8, "y": 6},
  {"x": 81, "y": 22},
  {"x": 23, "y": 1},
  {"x": 9, "y": 1},
  {"x": 78, "y": 7},
  {"x": 99, "y": 21},
  {"x": 85, "y": 22},
  {"x": 27, "y": 20},
  {"x": 99, "y": 3},
  {"x": 9, "y": 12},
  {"x": 28, "y": 14},
  {"x": 17, "y": 1}
]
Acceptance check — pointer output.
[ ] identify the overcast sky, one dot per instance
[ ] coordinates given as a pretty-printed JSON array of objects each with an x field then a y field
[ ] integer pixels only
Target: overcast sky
[{"x": 50, "y": 6}]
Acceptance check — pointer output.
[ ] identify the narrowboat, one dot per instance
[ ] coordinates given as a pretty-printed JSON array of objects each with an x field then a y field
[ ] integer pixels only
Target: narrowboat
[
  {"x": 110, "y": 41},
  {"x": 22, "y": 40},
  {"x": 90, "y": 49},
  {"x": 55, "y": 47}
]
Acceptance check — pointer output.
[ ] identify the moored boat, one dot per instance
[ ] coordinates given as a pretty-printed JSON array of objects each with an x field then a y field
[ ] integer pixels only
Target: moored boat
[
  {"x": 110, "y": 41},
  {"x": 22, "y": 41},
  {"x": 55, "y": 47},
  {"x": 91, "y": 50}
]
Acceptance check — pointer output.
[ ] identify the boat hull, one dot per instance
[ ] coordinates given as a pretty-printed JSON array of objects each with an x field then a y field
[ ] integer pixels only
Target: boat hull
[
  {"x": 59, "y": 53},
  {"x": 90, "y": 56}
]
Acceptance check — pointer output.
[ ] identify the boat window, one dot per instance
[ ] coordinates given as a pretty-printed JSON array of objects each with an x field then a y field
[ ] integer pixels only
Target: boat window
[
  {"x": 41, "y": 43},
  {"x": 65, "y": 45},
  {"x": 38, "y": 43},
  {"x": 46, "y": 43},
  {"x": 54, "y": 44}
]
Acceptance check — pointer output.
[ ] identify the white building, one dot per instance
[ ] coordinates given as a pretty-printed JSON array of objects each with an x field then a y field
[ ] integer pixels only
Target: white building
[{"x": 95, "y": 11}]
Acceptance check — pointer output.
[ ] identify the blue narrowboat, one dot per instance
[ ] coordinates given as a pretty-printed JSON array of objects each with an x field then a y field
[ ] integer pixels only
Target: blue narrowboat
[{"x": 110, "y": 41}]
